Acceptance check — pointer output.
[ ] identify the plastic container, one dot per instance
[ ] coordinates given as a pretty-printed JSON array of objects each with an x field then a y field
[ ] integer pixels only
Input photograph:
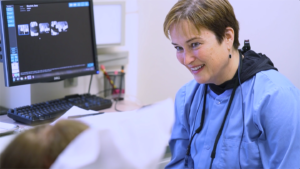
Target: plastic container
[{"x": 118, "y": 80}]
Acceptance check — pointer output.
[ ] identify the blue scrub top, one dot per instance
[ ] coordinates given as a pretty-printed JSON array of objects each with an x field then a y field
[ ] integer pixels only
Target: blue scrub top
[{"x": 262, "y": 129}]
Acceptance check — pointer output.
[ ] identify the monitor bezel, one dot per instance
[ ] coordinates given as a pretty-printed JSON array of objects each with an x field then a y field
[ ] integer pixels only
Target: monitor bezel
[{"x": 5, "y": 48}]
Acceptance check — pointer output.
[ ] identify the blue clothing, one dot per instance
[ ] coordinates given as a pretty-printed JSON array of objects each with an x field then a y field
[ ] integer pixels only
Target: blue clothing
[{"x": 265, "y": 110}]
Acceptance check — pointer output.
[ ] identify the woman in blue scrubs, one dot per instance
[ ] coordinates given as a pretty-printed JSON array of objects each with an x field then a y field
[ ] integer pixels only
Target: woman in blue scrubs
[{"x": 239, "y": 111}]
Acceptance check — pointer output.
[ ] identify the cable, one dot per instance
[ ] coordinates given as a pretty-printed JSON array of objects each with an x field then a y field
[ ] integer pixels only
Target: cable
[
  {"x": 243, "y": 116},
  {"x": 116, "y": 106},
  {"x": 198, "y": 130},
  {"x": 116, "y": 101},
  {"x": 90, "y": 83},
  {"x": 103, "y": 91},
  {"x": 196, "y": 118},
  {"x": 213, "y": 153},
  {"x": 199, "y": 107}
]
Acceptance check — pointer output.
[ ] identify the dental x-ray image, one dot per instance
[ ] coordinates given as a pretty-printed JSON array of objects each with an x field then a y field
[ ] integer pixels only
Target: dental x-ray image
[
  {"x": 60, "y": 26},
  {"x": 44, "y": 28},
  {"x": 23, "y": 29},
  {"x": 34, "y": 29}
]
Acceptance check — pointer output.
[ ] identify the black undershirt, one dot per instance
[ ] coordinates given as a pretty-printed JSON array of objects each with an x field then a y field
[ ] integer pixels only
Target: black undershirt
[
  {"x": 251, "y": 64},
  {"x": 219, "y": 89}
]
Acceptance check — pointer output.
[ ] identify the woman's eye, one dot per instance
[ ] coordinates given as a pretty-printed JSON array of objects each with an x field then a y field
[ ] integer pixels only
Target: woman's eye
[
  {"x": 195, "y": 44},
  {"x": 178, "y": 48}
]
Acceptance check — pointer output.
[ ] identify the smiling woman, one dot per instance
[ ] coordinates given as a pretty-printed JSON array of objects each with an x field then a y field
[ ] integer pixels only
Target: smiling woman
[
  {"x": 239, "y": 111},
  {"x": 203, "y": 54}
]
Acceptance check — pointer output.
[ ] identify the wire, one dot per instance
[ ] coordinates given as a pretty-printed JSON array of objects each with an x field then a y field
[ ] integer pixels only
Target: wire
[
  {"x": 243, "y": 116},
  {"x": 117, "y": 99},
  {"x": 205, "y": 88},
  {"x": 116, "y": 106},
  {"x": 103, "y": 91},
  {"x": 198, "y": 130},
  {"x": 213, "y": 153},
  {"x": 90, "y": 84}
]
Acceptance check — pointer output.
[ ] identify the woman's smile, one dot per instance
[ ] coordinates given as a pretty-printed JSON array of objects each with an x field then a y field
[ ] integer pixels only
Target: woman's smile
[{"x": 197, "y": 69}]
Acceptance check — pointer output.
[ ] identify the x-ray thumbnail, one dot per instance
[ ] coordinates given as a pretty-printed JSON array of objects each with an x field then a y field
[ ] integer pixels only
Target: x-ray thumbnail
[
  {"x": 23, "y": 29},
  {"x": 44, "y": 28},
  {"x": 34, "y": 28},
  {"x": 60, "y": 26},
  {"x": 54, "y": 30}
]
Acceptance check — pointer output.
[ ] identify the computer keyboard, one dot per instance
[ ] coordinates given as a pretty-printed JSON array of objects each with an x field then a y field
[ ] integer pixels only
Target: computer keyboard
[{"x": 50, "y": 110}]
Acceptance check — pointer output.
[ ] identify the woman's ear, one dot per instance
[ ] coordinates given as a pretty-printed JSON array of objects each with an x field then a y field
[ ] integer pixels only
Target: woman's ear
[{"x": 229, "y": 37}]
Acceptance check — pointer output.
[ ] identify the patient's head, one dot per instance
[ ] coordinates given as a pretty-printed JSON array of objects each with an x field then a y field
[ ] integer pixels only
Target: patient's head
[{"x": 39, "y": 147}]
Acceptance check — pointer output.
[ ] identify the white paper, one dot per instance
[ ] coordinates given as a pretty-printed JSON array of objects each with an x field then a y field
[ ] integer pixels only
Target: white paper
[
  {"x": 7, "y": 128},
  {"x": 128, "y": 140},
  {"x": 74, "y": 111}
]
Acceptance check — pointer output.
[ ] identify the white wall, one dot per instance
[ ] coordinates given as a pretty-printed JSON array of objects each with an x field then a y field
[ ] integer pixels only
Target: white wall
[
  {"x": 159, "y": 73},
  {"x": 273, "y": 27},
  {"x": 131, "y": 44}
]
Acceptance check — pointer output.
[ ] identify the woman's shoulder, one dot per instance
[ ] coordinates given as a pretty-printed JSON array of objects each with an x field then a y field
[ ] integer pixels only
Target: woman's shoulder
[
  {"x": 272, "y": 80},
  {"x": 188, "y": 89},
  {"x": 185, "y": 97},
  {"x": 272, "y": 87},
  {"x": 274, "y": 101}
]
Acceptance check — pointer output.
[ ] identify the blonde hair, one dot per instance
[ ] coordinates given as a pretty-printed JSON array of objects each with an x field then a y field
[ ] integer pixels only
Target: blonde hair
[
  {"x": 215, "y": 15},
  {"x": 39, "y": 147}
]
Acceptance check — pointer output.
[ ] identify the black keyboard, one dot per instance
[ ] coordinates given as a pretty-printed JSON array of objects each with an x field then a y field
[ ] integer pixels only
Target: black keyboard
[{"x": 50, "y": 110}]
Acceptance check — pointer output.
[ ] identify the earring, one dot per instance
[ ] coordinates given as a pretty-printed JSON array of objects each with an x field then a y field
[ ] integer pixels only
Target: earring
[{"x": 229, "y": 55}]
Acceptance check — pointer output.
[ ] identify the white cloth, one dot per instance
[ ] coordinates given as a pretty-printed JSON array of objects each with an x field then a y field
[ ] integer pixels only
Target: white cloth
[{"x": 127, "y": 140}]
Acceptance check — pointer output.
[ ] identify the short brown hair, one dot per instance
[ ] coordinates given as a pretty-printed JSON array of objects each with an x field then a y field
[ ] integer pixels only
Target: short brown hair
[
  {"x": 215, "y": 15},
  {"x": 39, "y": 147}
]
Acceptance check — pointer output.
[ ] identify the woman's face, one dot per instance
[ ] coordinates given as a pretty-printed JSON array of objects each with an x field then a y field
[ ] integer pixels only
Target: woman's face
[{"x": 201, "y": 53}]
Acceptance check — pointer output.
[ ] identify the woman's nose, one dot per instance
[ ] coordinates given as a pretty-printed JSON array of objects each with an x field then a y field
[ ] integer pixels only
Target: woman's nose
[{"x": 188, "y": 57}]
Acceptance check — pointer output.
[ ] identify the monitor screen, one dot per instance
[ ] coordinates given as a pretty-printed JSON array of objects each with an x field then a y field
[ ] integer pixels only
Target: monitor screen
[{"x": 47, "y": 40}]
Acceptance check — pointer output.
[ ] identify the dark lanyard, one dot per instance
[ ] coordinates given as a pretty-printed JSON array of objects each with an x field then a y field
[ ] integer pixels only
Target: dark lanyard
[{"x": 198, "y": 130}]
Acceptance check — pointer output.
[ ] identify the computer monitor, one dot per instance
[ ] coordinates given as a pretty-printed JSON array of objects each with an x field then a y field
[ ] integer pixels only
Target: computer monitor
[
  {"x": 109, "y": 23},
  {"x": 47, "y": 40}
]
